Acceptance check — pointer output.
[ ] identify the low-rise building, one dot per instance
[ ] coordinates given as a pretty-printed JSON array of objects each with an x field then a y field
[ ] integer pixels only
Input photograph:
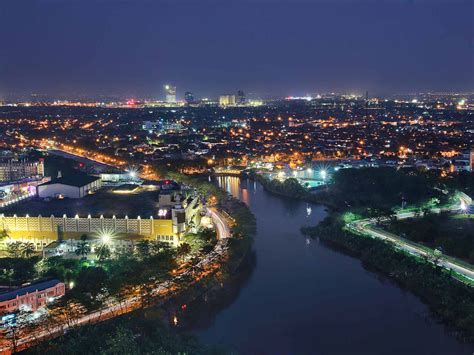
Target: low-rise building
[
  {"x": 72, "y": 186},
  {"x": 31, "y": 297}
]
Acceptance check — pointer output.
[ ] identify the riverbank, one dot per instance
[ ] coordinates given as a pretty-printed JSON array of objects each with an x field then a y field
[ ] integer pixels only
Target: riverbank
[
  {"x": 450, "y": 301},
  {"x": 291, "y": 188},
  {"x": 244, "y": 222}
]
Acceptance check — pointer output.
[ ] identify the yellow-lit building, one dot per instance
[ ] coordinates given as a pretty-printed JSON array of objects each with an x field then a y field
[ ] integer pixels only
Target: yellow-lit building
[
  {"x": 42, "y": 231},
  {"x": 227, "y": 100}
]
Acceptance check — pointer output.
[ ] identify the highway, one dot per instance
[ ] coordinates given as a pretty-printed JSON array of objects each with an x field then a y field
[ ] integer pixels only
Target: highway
[
  {"x": 366, "y": 226},
  {"x": 114, "y": 308}
]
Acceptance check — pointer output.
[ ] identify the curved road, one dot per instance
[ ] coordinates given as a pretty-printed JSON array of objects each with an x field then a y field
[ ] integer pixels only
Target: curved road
[{"x": 365, "y": 226}]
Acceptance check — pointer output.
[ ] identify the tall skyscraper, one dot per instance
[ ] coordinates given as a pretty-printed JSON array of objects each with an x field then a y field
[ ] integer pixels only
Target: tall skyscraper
[
  {"x": 170, "y": 92},
  {"x": 188, "y": 97},
  {"x": 240, "y": 97}
]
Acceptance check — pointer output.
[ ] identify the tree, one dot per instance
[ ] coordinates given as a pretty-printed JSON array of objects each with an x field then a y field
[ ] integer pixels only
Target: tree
[
  {"x": 183, "y": 250},
  {"x": 91, "y": 280},
  {"x": 122, "y": 342},
  {"x": 27, "y": 249},
  {"x": 14, "y": 249},
  {"x": 83, "y": 248},
  {"x": 158, "y": 247},
  {"x": 4, "y": 234},
  {"x": 103, "y": 252},
  {"x": 143, "y": 248}
]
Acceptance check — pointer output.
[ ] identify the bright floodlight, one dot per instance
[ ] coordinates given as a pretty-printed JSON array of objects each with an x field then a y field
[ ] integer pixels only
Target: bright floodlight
[
  {"x": 323, "y": 174},
  {"x": 463, "y": 206},
  {"x": 106, "y": 238},
  {"x": 132, "y": 174},
  {"x": 310, "y": 170}
]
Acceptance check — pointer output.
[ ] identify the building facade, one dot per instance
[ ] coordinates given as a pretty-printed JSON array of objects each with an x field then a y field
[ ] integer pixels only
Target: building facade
[
  {"x": 75, "y": 186},
  {"x": 31, "y": 297},
  {"x": 42, "y": 231},
  {"x": 13, "y": 170},
  {"x": 227, "y": 100}
]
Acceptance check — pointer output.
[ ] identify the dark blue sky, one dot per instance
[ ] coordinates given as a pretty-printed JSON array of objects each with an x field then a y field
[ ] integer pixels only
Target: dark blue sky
[{"x": 269, "y": 47}]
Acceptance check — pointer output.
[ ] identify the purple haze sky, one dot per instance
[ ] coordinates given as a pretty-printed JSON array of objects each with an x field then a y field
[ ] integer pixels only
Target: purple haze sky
[{"x": 210, "y": 47}]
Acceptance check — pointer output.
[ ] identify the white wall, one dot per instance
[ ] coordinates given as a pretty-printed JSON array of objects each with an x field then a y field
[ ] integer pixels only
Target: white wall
[{"x": 54, "y": 190}]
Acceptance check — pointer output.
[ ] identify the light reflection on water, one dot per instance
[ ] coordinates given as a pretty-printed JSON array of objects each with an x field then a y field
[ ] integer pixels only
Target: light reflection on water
[{"x": 301, "y": 297}]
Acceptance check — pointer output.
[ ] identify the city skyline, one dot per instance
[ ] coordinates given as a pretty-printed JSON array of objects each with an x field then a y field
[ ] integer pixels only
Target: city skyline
[{"x": 268, "y": 48}]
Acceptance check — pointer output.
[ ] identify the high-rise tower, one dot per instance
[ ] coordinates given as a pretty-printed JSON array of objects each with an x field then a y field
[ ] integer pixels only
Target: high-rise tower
[{"x": 170, "y": 92}]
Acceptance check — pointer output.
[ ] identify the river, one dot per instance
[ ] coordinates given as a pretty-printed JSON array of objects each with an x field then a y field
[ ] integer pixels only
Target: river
[{"x": 302, "y": 297}]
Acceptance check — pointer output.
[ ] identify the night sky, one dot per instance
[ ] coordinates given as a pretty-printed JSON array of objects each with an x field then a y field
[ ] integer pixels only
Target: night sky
[{"x": 211, "y": 47}]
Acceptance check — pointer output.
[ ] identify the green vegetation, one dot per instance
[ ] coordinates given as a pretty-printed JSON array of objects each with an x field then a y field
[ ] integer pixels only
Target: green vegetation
[
  {"x": 244, "y": 224},
  {"x": 116, "y": 276},
  {"x": 16, "y": 271},
  {"x": 386, "y": 188},
  {"x": 463, "y": 181},
  {"x": 453, "y": 236},
  {"x": 451, "y": 301},
  {"x": 381, "y": 189},
  {"x": 201, "y": 242},
  {"x": 378, "y": 193},
  {"x": 290, "y": 188},
  {"x": 137, "y": 333}
]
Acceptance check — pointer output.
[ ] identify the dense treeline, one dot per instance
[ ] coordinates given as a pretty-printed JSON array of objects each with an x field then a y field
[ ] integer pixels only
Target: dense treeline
[
  {"x": 385, "y": 187},
  {"x": 290, "y": 188},
  {"x": 453, "y": 236},
  {"x": 377, "y": 188},
  {"x": 463, "y": 181},
  {"x": 452, "y": 301}
]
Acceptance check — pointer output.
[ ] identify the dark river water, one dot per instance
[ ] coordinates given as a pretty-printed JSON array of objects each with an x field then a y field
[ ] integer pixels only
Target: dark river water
[{"x": 302, "y": 297}]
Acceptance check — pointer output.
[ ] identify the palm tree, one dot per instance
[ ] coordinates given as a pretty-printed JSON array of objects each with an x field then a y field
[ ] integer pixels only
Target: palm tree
[
  {"x": 83, "y": 249},
  {"x": 27, "y": 249},
  {"x": 14, "y": 249},
  {"x": 183, "y": 250},
  {"x": 103, "y": 252}
]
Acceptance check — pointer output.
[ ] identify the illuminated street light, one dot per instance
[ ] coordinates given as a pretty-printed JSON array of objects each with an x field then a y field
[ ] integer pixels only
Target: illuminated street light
[
  {"x": 463, "y": 206},
  {"x": 310, "y": 170}
]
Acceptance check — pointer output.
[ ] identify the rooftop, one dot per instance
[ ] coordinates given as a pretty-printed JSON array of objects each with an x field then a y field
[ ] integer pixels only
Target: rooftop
[
  {"x": 77, "y": 180},
  {"x": 39, "y": 286}
]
